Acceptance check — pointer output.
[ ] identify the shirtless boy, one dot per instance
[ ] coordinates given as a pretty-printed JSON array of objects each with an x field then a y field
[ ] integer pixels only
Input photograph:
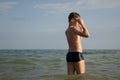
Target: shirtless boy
[{"x": 75, "y": 33}]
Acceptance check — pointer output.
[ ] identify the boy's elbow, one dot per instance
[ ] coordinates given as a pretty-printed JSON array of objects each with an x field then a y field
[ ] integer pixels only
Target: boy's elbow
[{"x": 87, "y": 35}]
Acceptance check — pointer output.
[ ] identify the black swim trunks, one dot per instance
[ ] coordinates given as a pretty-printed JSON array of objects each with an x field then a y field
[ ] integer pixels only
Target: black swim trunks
[{"x": 74, "y": 57}]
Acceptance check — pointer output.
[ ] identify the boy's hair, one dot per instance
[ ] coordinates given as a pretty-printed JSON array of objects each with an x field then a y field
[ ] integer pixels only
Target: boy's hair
[{"x": 73, "y": 16}]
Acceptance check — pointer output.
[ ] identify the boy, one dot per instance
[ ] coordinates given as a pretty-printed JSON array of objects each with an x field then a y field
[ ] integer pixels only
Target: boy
[{"x": 75, "y": 32}]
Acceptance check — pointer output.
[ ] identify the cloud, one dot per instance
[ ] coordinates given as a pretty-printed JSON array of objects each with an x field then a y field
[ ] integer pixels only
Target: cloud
[
  {"x": 76, "y": 5},
  {"x": 4, "y": 6},
  {"x": 101, "y": 4}
]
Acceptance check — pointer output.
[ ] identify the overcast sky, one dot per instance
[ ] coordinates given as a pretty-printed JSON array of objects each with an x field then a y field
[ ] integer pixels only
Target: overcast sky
[{"x": 40, "y": 24}]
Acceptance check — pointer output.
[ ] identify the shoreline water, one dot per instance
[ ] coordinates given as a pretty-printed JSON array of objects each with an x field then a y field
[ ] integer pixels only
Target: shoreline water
[{"x": 51, "y": 65}]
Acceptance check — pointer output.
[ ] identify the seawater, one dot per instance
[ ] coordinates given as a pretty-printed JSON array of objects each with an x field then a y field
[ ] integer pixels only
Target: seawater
[{"x": 51, "y": 65}]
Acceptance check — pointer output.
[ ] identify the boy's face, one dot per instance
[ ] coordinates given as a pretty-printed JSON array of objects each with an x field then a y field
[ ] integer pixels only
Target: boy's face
[{"x": 74, "y": 22}]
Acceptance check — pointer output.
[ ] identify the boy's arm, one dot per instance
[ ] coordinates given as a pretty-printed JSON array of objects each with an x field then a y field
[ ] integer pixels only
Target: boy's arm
[{"x": 84, "y": 32}]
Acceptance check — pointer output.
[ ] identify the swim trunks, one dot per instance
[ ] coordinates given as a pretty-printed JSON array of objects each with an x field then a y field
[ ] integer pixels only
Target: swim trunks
[{"x": 74, "y": 57}]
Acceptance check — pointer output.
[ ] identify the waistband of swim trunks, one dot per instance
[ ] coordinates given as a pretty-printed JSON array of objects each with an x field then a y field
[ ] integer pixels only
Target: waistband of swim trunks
[{"x": 75, "y": 52}]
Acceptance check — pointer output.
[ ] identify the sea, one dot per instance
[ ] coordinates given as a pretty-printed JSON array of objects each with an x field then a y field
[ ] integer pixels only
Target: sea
[{"x": 50, "y": 64}]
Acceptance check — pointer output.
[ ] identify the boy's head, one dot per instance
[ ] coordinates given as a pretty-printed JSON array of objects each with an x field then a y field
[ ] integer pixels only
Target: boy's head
[{"x": 73, "y": 17}]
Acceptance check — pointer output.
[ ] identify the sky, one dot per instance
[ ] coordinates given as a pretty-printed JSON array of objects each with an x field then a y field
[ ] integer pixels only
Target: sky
[{"x": 41, "y": 24}]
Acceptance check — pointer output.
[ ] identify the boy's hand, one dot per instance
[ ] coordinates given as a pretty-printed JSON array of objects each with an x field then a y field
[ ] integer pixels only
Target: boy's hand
[{"x": 81, "y": 21}]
